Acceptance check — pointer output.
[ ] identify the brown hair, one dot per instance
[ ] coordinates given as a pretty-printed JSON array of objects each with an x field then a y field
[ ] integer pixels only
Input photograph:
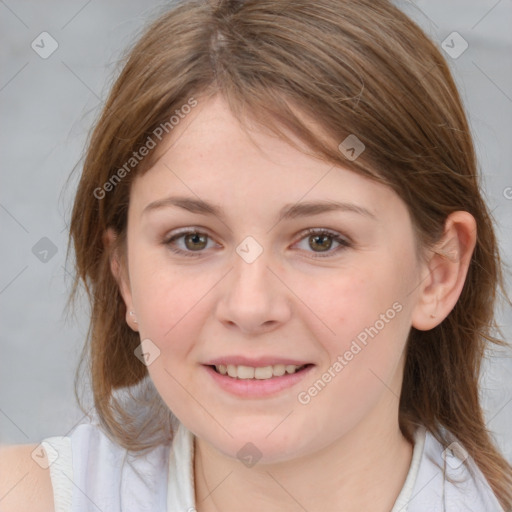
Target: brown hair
[{"x": 361, "y": 68}]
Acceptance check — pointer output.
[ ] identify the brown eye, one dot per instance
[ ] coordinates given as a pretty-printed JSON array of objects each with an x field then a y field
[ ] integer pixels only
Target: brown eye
[
  {"x": 195, "y": 241},
  {"x": 321, "y": 241}
]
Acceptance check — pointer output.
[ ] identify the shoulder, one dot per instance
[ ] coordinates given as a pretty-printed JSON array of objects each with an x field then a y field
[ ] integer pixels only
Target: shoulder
[
  {"x": 39, "y": 477},
  {"x": 25, "y": 485},
  {"x": 448, "y": 476}
]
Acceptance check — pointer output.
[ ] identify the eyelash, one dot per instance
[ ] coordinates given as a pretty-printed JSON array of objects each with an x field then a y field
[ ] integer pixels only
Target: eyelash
[{"x": 344, "y": 243}]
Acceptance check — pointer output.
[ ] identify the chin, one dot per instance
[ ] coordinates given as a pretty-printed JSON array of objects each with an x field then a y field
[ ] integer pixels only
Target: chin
[{"x": 254, "y": 445}]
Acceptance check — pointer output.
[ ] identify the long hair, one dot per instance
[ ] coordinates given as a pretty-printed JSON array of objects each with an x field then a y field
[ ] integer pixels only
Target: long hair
[{"x": 350, "y": 68}]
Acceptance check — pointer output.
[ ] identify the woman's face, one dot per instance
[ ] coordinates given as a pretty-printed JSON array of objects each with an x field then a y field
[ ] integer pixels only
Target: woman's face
[{"x": 254, "y": 289}]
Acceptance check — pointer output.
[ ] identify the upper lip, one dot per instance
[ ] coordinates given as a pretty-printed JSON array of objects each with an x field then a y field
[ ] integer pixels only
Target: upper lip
[{"x": 256, "y": 362}]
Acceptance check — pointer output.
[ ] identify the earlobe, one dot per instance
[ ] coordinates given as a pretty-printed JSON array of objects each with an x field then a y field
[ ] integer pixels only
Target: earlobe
[
  {"x": 446, "y": 271},
  {"x": 120, "y": 274}
]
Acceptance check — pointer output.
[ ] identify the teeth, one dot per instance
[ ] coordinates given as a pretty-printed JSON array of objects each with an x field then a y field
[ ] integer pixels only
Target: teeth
[
  {"x": 244, "y": 372},
  {"x": 279, "y": 369},
  {"x": 263, "y": 373},
  {"x": 260, "y": 373}
]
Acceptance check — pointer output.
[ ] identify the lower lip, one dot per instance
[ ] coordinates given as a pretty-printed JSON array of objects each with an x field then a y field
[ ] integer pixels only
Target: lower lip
[{"x": 258, "y": 388}]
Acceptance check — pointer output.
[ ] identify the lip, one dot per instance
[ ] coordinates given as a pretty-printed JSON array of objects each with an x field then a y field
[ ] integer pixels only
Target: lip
[
  {"x": 256, "y": 362},
  {"x": 254, "y": 388}
]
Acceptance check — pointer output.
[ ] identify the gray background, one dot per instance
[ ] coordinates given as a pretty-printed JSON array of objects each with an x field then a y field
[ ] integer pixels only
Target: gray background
[{"x": 47, "y": 107}]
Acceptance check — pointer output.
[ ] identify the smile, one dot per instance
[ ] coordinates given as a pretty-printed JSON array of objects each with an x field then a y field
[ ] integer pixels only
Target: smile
[
  {"x": 259, "y": 373},
  {"x": 257, "y": 382}
]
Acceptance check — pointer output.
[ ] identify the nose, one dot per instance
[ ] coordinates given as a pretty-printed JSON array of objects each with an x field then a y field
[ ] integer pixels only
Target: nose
[{"x": 254, "y": 297}]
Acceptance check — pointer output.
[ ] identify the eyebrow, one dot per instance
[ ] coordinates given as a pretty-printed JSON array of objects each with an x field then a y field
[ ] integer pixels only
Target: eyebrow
[{"x": 289, "y": 211}]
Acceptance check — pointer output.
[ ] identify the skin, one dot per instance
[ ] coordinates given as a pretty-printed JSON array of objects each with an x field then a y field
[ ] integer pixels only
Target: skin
[{"x": 343, "y": 450}]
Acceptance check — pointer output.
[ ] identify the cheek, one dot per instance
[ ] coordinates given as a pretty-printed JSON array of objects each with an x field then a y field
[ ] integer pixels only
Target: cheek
[
  {"x": 171, "y": 310},
  {"x": 356, "y": 300},
  {"x": 165, "y": 296},
  {"x": 368, "y": 319}
]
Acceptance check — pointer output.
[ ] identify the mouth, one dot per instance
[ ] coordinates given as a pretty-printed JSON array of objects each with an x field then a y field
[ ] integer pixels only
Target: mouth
[
  {"x": 256, "y": 377},
  {"x": 268, "y": 372}
]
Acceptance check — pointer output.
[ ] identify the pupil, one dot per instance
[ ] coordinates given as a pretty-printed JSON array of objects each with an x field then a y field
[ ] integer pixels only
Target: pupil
[
  {"x": 316, "y": 237},
  {"x": 195, "y": 237}
]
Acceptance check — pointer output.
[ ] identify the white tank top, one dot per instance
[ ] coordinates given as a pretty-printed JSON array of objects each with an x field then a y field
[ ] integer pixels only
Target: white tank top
[{"x": 89, "y": 473}]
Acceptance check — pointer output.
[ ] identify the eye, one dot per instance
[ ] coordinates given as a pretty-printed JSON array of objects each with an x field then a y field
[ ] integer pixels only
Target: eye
[
  {"x": 196, "y": 241},
  {"x": 322, "y": 239}
]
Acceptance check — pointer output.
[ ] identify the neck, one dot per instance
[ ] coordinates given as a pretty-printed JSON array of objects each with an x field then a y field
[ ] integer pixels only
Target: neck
[{"x": 365, "y": 469}]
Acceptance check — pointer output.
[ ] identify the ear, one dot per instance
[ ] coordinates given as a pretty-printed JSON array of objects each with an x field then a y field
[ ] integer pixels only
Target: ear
[
  {"x": 119, "y": 270},
  {"x": 445, "y": 272}
]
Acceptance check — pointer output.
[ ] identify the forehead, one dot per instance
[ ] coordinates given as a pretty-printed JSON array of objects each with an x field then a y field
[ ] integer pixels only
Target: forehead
[{"x": 209, "y": 156}]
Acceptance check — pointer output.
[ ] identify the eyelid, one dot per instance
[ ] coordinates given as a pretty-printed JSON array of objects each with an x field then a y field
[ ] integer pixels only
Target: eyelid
[{"x": 315, "y": 231}]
